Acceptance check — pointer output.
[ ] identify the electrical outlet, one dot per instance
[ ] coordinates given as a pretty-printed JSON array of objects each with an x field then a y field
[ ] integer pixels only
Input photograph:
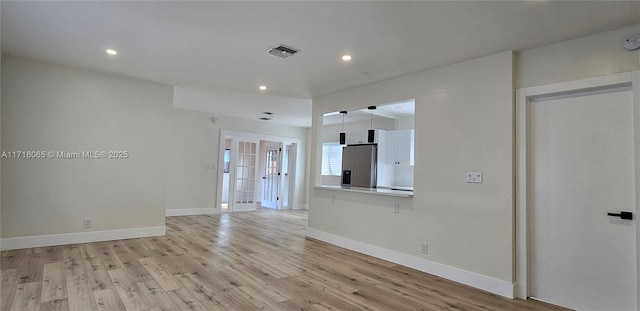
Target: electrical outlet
[
  {"x": 87, "y": 223},
  {"x": 396, "y": 207},
  {"x": 425, "y": 248},
  {"x": 474, "y": 177},
  {"x": 333, "y": 199}
]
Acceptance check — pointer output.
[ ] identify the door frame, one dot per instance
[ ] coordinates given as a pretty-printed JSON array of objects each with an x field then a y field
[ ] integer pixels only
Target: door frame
[
  {"x": 295, "y": 182},
  {"x": 524, "y": 97}
]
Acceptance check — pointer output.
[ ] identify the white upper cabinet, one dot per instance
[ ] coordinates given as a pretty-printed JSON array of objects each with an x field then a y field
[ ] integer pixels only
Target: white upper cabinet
[
  {"x": 400, "y": 147},
  {"x": 360, "y": 137}
]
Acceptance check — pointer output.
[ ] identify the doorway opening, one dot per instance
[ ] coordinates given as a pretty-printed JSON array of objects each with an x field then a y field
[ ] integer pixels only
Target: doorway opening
[
  {"x": 226, "y": 166},
  {"x": 259, "y": 171}
]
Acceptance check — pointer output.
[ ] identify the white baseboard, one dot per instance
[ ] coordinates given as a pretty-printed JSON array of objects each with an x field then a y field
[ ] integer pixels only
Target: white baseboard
[
  {"x": 190, "y": 212},
  {"x": 498, "y": 287},
  {"x": 301, "y": 206},
  {"x": 80, "y": 237},
  {"x": 241, "y": 208}
]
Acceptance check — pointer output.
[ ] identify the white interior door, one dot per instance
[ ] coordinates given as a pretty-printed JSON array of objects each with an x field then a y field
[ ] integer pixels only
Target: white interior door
[
  {"x": 581, "y": 168},
  {"x": 244, "y": 175},
  {"x": 271, "y": 177}
]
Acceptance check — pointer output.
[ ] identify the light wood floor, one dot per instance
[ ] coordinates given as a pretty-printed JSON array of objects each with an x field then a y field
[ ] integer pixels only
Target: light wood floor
[{"x": 241, "y": 261}]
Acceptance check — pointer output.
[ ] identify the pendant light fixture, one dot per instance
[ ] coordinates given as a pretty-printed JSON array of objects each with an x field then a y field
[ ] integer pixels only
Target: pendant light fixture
[
  {"x": 371, "y": 133},
  {"x": 343, "y": 135}
]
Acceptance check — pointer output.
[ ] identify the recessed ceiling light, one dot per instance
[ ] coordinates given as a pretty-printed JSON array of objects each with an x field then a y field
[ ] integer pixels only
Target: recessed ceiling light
[
  {"x": 112, "y": 52},
  {"x": 263, "y": 88},
  {"x": 346, "y": 58}
]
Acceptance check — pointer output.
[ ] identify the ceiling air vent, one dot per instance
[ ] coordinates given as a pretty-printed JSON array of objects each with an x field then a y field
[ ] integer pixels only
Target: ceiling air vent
[{"x": 283, "y": 51}]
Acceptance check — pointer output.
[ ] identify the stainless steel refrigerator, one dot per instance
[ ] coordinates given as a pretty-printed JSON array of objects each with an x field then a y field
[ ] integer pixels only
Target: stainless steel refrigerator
[{"x": 359, "y": 165}]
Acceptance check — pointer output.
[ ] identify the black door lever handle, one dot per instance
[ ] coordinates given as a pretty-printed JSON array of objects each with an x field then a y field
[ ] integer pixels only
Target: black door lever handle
[{"x": 623, "y": 215}]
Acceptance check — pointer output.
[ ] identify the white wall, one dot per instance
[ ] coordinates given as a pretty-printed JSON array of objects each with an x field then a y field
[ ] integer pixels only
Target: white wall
[
  {"x": 194, "y": 145},
  {"x": 463, "y": 122},
  {"x": 584, "y": 57},
  {"x": 57, "y": 108}
]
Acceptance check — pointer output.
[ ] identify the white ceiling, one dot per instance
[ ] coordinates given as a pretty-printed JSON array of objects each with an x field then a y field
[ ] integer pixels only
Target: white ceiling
[
  {"x": 221, "y": 45},
  {"x": 390, "y": 111}
]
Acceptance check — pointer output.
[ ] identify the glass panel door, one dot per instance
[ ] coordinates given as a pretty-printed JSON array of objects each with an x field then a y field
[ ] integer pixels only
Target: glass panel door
[
  {"x": 245, "y": 176},
  {"x": 271, "y": 178}
]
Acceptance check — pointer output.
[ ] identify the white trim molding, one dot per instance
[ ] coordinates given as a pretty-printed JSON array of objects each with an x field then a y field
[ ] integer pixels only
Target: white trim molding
[
  {"x": 524, "y": 97},
  {"x": 80, "y": 237},
  {"x": 190, "y": 212},
  {"x": 498, "y": 287},
  {"x": 301, "y": 206}
]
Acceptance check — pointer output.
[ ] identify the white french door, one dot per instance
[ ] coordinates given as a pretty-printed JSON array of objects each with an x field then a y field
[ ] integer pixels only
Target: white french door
[
  {"x": 243, "y": 175},
  {"x": 272, "y": 174},
  {"x": 242, "y": 161}
]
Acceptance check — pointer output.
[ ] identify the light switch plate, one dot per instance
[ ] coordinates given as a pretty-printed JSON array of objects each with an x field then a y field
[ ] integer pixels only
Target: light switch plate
[{"x": 474, "y": 177}]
